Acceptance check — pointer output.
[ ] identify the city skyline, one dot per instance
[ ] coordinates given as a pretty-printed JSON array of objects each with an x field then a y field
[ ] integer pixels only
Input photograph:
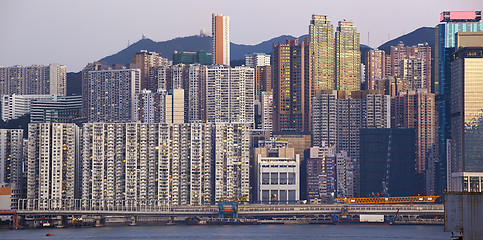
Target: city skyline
[{"x": 88, "y": 33}]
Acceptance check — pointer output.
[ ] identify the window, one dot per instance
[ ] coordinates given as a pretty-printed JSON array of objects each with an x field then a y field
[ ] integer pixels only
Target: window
[
  {"x": 274, "y": 178},
  {"x": 291, "y": 178},
  {"x": 265, "y": 178},
  {"x": 283, "y": 178}
]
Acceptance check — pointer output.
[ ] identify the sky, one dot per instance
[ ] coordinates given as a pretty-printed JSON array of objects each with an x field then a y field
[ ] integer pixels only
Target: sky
[{"x": 74, "y": 33}]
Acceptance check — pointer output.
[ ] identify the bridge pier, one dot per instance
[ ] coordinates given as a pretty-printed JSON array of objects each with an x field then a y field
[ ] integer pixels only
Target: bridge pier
[
  {"x": 133, "y": 221},
  {"x": 98, "y": 220},
  {"x": 58, "y": 222}
]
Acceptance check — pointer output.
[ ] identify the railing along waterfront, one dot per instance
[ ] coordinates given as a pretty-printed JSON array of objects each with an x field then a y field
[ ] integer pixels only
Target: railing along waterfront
[{"x": 93, "y": 205}]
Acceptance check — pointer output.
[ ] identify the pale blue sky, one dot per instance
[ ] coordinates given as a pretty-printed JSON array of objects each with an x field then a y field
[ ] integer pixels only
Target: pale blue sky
[{"x": 75, "y": 33}]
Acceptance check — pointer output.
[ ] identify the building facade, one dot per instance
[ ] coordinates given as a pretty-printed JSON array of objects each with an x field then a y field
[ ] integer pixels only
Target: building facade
[
  {"x": 11, "y": 157},
  {"x": 230, "y": 94},
  {"x": 375, "y": 68},
  {"x": 220, "y": 39},
  {"x": 166, "y": 164},
  {"x": 347, "y": 57},
  {"x": 53, "y": 150},
  {"x": 322, "y": 53},
  {"x": 112, "y": 94},
  {"x": 387, "y": 166},
  {"x": 321, "y": 174},
  {"x": 15, "y": 106},
  {"x": 257, "y": 60},
  {"x": 60, "y": 109},
  {"x": 291, "y": 86},
  {"x": 467, "y": 111},
  {"x": 232, "y": 161},
  {"x": 150, "y": 107},
  {"x": 143, "y": 60},
  {"x": 33, "y": 80},
  {"x": 445, "y": 36},
  {"x": 416, "y": 109}
]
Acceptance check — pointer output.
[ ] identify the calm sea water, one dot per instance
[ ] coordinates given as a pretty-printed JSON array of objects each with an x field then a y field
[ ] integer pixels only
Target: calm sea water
[{"x": 264, "y": 232}]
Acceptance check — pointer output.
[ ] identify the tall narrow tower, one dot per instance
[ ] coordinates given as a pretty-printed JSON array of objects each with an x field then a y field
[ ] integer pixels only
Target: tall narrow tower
[
  {"x": 347, "y": 57},
  {"x": 221, "y": 39},
  {"x": 321, "y": 37}
]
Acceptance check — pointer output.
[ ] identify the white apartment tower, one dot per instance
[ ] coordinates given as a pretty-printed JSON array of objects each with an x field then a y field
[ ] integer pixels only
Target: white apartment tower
[
  {"x": 232, "y": 161},
  {"x": 267, "y": 111},
  {"x": 230, "y": 94},
  {"x": 112, "y": 94},
  {"x": 196, "y": 93},
  {"x": 167, "y": 164},
  {"x": 52, "y": 159},
  {"x": 257, "y": 59},
  {"x": 11, "y": 156},
  {"x": 149, "y": 107},
  {"x": 33, "y": 80},
  {"x": 337, "y": 117},
  {"x": 220, "y": 39}
]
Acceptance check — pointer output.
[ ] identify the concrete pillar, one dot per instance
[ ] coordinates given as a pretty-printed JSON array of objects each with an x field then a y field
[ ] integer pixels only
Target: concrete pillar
[
  {"x": 133, "y": 221},
  {"x": 98, "y": 221},
  {"x": 58, "y": 222}
]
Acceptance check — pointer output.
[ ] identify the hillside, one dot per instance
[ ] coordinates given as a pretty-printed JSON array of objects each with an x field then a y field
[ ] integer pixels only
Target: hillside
[
  {"x": 420, "y": 35},
  {"x": 238, "y": 51}
]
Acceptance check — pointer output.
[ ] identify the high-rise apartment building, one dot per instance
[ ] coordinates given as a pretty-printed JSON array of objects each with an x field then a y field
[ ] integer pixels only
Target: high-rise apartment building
[
  {"x": 167, "y": 163},
  {"x": 174, "y": 106},
  {"x": 291, "y": 86},
  {"x": 179, "y": 76},
  {"x": 263, "y": 80},
  {"x": 416, "y": 109},
  {"x": 257, "y": 59},
  {"x": 466, "y": 114},
  {"x": 450, "y": 24},
  {"x": 232, "y": 161},
  {"x": 321, "y": 174},
  {"x": 375, "y": 68},
  {"x": 322, "y": 52},
  {"x": 143, "y": 60},
  {"x": 33, "y": 80},
  {"x": 111, "y": 94},
  {"x": 346, "y": 175},
  {"x": 230, "y": 94},
  {"x": 347, "y": 57},
  {"x": 196, "y": 93},
  {"x": 12, "y": 164},
  {"x": 412, "y": 63},
  {"x": 337, "y": 117},
  {"x": 220, "y": 39},
  {"x": 150, "y": 107},
  {"x": 160, "y": 78},
  {"x": 267, "y": 111},
  {"x": 53, "y": 150},
  {"x": 95, "y": 66},
  {"x": 11, "y": 156}
]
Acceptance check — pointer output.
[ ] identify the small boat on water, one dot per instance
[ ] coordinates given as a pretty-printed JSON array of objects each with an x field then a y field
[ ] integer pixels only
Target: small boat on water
[{"x": 49, "y": 234}]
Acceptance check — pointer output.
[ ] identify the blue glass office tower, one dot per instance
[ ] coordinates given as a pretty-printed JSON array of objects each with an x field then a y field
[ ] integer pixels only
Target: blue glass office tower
[{"x": 451, "y": 23}]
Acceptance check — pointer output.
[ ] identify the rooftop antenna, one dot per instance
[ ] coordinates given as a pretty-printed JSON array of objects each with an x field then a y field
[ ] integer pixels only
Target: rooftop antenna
[{"x": 368, "y": 42}]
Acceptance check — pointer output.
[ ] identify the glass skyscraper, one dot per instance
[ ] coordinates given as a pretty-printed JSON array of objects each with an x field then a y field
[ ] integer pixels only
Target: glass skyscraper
[{"x": 451, "y": 23}]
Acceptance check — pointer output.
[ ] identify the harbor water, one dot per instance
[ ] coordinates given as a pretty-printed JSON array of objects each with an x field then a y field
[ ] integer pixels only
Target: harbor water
[{"x": 253, "y": 232}]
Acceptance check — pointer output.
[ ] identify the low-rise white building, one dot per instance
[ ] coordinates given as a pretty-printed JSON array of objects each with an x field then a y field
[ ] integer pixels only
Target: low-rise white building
[{"x": 278, "y": 178}]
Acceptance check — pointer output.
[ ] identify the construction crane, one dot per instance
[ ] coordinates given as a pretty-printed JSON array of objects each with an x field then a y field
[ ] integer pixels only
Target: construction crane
[{"x": 383, "y": 200}]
